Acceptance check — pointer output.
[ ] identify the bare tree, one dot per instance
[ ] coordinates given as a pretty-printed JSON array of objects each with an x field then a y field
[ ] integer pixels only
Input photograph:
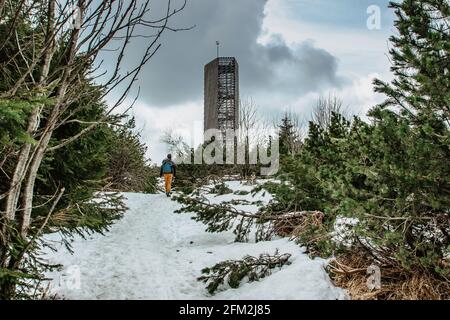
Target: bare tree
[
  {"x": 254, "y": 131},
  {"x": 176, "y": 144},
  {"x": 253, "y": 128},
  {"x": 324, "y": 109},
  {"x": 52, "y": 64}
]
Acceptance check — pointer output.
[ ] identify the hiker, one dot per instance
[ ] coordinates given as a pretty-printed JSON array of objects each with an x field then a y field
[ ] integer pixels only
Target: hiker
[{"x": 168, "y": 169}]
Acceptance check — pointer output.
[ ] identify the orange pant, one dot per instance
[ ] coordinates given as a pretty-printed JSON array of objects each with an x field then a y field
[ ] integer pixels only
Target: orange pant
[{"x": 168, "y": 181}]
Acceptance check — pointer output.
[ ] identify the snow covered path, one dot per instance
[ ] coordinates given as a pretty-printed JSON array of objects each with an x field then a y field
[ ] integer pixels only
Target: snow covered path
[{"x": 153, "y": 253}]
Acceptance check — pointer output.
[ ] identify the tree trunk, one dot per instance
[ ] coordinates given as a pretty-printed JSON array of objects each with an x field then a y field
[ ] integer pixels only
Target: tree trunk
[
  {"x": 14, "y": 190},
  {"x": 28, "y": 191},
  {"x": 7, "y": 290},
  {"x": 29, "y": 184},
  {"x": 19, "y": 172},
  {"x": 33, "y": 123}
]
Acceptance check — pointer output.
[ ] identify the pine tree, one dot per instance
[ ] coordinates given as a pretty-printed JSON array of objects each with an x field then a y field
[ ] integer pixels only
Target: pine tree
[
  {"x": 408, "y": 151},
  {"x": 287, "y": 136},
  {"x": 394, "y": 177},
  {"x": 393, "y": 174},
  {"x": 420, "y": 58}
]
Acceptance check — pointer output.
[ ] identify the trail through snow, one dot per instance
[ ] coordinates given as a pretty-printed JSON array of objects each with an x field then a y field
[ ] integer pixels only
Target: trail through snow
[{"x": 153, "y": 253}]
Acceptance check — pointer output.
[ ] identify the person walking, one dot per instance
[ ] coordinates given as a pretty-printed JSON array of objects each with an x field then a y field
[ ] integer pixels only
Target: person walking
[{"x": 168, "y": 170}]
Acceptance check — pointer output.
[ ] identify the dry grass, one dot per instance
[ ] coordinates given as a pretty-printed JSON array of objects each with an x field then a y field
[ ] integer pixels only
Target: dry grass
[
  {"x": 349, "y": 272},
  {"x": 287, "y": 226}
]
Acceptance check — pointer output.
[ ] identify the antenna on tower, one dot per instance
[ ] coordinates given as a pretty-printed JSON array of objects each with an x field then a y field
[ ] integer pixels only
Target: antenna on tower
[{"x": 217, "y": 44}]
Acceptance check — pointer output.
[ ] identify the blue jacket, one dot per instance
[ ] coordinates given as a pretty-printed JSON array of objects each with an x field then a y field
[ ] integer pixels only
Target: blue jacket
[{"x": 168, "y": 166}]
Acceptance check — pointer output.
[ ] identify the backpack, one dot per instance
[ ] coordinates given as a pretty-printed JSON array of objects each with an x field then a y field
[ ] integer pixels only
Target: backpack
[{"x": 167, "y": 167}]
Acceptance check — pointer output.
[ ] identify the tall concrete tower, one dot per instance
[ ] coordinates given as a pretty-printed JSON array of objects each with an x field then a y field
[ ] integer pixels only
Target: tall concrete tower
[{"x": 221, "y": 102}]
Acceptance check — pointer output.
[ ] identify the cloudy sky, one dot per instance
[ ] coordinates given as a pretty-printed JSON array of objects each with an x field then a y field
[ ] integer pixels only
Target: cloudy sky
[{"x": 290, "y": 52}]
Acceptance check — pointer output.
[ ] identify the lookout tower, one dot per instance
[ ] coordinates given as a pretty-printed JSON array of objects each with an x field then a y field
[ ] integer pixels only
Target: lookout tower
[{"x": 221, "y": 94}]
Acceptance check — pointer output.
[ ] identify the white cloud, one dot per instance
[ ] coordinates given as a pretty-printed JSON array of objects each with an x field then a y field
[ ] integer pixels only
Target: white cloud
[
  {"x": 361, "y": 54},
  {"x": 358, "y": 49}
]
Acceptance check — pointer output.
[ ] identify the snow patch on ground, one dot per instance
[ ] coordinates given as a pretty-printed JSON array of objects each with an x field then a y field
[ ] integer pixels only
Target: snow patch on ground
[{"x": 153, "y": 253}]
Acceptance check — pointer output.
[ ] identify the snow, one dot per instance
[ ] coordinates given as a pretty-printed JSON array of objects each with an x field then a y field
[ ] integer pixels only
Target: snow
[
  {"x": 343, "y": 230},
  {"x": 262, "y": 195},
  {"x": 153, "y": 253}
]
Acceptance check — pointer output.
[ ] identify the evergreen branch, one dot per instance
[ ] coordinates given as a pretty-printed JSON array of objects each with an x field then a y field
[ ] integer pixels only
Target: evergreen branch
[
  {"x": 234, "y": 272},
  {"x": 224, "y": 216}
]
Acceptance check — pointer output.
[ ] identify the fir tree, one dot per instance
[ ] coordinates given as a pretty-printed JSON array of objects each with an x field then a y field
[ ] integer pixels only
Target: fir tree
[{"x": 287, "y": 135}]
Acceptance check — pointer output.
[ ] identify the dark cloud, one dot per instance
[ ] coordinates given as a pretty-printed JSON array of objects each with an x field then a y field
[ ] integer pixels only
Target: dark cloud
[{"x": 175, "y": 74}]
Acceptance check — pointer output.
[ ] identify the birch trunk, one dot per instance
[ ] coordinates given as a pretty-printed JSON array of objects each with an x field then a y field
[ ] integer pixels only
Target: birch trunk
[
  {"x": 28, "y": 192},
  {"x": 19, "y": 172},
  {"x": 23, "y": 160}
]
